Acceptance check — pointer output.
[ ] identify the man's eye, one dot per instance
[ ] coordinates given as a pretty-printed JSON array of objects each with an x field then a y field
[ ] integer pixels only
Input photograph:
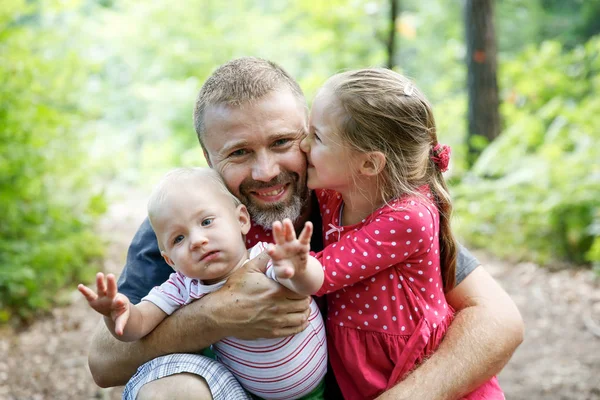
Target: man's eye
[
  {"x": 238, "y": 153},
  {"x": 178, "y": 239},
  {"x": 207, "y": 221},
  {"x": 281, "y": 142}
]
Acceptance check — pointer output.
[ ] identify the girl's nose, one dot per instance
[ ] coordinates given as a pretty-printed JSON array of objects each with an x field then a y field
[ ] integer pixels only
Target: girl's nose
[{"x": 304, "y": 144}]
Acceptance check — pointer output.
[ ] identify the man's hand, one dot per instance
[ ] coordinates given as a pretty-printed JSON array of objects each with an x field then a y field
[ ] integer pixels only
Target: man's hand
[
  {"x": 107, "y": 301},
  {"x": 251, "y": 306}
]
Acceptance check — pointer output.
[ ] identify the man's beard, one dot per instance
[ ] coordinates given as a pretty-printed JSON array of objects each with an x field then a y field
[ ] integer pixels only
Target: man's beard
[{"x": 265, "y": 214}]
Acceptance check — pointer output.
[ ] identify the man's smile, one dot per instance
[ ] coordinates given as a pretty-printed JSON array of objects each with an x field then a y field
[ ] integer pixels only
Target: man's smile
[{"x": 271, "y": 194}]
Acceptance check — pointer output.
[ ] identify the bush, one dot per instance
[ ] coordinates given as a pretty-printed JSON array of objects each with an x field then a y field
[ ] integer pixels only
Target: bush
[
  {"x": 534, "y": 192},
  {"x": 48, "y": 208}
]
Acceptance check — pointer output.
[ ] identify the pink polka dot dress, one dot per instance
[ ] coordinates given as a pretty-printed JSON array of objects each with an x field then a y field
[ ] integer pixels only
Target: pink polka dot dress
[{"x": 385, "y": 298}]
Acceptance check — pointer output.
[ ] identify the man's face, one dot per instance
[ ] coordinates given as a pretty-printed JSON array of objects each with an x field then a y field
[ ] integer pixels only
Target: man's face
[{"x": 255, "y": 148}]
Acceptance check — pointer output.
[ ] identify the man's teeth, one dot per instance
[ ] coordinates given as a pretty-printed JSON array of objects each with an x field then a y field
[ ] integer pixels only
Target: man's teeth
[{"x": 271, "y": 193}]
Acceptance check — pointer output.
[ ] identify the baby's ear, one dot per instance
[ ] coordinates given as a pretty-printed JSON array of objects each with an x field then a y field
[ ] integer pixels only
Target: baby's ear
[
  {"x": 244, "y": 218},
  {"x": 167, "y": 259},
  {"x": 373, "y": 163}
]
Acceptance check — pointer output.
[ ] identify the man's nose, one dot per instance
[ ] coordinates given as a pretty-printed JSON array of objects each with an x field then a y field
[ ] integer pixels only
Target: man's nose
[{"x": 265, "y": 168}]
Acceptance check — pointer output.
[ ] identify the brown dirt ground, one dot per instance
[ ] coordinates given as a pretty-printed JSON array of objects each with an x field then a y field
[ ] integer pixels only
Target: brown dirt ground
[{"x": 559, "y": 359}]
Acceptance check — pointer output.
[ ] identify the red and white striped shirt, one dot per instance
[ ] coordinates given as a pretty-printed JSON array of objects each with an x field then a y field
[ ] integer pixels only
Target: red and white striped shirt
[{"x": 283, "y": 368}]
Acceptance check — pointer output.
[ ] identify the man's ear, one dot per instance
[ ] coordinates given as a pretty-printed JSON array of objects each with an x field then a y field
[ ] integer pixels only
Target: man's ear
[
  {"x": 167, "y": 259},
  {"x": 373, "y": 163},
  {"x": 207, "y": 157},
  {"x": 244, "y": 218}
]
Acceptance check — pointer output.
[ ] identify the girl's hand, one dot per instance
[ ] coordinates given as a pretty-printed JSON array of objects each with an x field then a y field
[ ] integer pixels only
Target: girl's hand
[
  {"x": 289, "y": 254},
  {"x": 107, "y": 301}
]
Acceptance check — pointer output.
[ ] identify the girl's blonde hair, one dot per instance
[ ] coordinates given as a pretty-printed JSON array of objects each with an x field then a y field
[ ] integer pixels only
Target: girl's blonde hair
[{"x": 381, "y": 110}]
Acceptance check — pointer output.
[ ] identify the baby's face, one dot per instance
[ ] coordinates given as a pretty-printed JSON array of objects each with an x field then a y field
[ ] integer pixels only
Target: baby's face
[{"x": 201, "y": 231}]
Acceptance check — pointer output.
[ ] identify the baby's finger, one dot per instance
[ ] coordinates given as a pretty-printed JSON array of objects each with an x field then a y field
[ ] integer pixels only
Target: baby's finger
[
  {"x": 278, "y": 232},
  {"x": 285, "y": 273},
  {"x": 119, "y": 326},
  {"x": 111, "y": 285},
  {"x": 288, "y": 229},
  {"x": 100, "y": 284},
  {"x": 88, "y": 293},
  {"x": 119, "y": 302},
  {"x": 306, "y": 233}
]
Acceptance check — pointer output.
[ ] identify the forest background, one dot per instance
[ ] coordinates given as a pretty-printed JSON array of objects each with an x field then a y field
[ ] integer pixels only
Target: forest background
[{"x": 96, "y": 98}]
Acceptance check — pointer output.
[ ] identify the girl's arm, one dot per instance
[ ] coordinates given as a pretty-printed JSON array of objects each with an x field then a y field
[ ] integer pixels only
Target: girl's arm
[
  {"x": 390, "y": 238},
  {"x": 293, "y": 266}
]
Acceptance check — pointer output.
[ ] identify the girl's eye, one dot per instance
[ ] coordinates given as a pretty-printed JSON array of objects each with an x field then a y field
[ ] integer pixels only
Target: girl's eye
[
  {"x": 317, "y": 138},
  {"x": 207, "y": 221},
  {"x": 178, "y": 239}
]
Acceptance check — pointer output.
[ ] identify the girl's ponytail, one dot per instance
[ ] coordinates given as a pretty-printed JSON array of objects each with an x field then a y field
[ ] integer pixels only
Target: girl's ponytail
[{"x": 448, "y": 247}]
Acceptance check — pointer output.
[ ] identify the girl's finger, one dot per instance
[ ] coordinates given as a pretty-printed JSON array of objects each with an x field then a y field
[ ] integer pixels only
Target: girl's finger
[{"x": 88, "y": 293}]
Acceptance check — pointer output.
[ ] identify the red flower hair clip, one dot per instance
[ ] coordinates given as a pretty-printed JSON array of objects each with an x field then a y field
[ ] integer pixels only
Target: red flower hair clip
[{"x": 440, "y": 155}]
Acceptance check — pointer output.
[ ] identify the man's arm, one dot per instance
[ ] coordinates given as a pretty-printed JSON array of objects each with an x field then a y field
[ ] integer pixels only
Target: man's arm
[
  {"x": 486, "y": 331},
  {"x": 249, "y": 306}
]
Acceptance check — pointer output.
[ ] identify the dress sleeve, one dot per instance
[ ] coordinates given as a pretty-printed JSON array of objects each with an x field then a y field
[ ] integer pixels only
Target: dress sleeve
[
  {"x": 171, "y": 295},
  {"x": 386, "y": 240},
  {"x": 145, "y": 267}
]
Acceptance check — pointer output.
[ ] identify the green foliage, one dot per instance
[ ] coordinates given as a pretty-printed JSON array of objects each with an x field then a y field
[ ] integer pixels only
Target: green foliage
[
  {"x": 48, "y": 209},
  {"x": 533, "y": 193}
]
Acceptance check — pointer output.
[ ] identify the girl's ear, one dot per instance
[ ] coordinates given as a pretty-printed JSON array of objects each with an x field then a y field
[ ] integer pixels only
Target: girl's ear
[
  {"x": 244, "y": 218},
  {"x": 373, "y": 163},
  {"x": 167, "y": 259}
]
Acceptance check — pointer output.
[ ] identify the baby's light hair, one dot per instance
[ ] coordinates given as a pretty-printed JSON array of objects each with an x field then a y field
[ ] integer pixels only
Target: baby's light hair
[{"x": 174, "y": 179}]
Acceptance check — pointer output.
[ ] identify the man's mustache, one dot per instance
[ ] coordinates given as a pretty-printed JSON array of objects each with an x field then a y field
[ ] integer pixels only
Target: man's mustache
[{"x": 283, "y": 178}]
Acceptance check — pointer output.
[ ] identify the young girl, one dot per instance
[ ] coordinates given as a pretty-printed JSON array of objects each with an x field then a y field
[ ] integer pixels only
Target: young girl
[{"x": 390, "y": 254}]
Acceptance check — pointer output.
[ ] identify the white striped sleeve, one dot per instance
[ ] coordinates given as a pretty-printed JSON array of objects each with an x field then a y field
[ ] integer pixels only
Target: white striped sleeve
[{"x": 171, "y": 295}]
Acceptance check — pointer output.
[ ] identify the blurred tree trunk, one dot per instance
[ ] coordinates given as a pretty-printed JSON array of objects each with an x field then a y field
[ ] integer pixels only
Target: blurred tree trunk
[
  {"x": 391, "y": 42},
  {"x": 484, "y": 117}
]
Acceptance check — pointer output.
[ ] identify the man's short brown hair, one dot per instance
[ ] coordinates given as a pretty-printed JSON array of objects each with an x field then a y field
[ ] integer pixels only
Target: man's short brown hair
[{"x": 241, "y": 81}]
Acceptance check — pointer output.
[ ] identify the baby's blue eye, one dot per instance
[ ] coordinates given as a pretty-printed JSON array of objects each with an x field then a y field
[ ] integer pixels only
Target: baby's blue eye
[
  {"x": 178, "y": 239},
  {"x": 207, "y": 221}
]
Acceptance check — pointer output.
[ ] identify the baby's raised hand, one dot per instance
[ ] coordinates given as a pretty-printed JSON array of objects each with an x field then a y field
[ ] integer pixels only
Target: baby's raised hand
[
  {"x": 289, "y": 254},
  {"x": 107, "y": 301}
]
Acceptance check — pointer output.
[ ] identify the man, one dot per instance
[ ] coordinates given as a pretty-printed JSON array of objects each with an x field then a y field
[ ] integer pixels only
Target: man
[{"x": 250, "y": 117}]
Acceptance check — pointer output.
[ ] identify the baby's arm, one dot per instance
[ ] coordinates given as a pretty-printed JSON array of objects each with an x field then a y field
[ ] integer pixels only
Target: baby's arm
[
  {"x": 126, "y": 322},
  {"x": 293, "y": 266}
]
